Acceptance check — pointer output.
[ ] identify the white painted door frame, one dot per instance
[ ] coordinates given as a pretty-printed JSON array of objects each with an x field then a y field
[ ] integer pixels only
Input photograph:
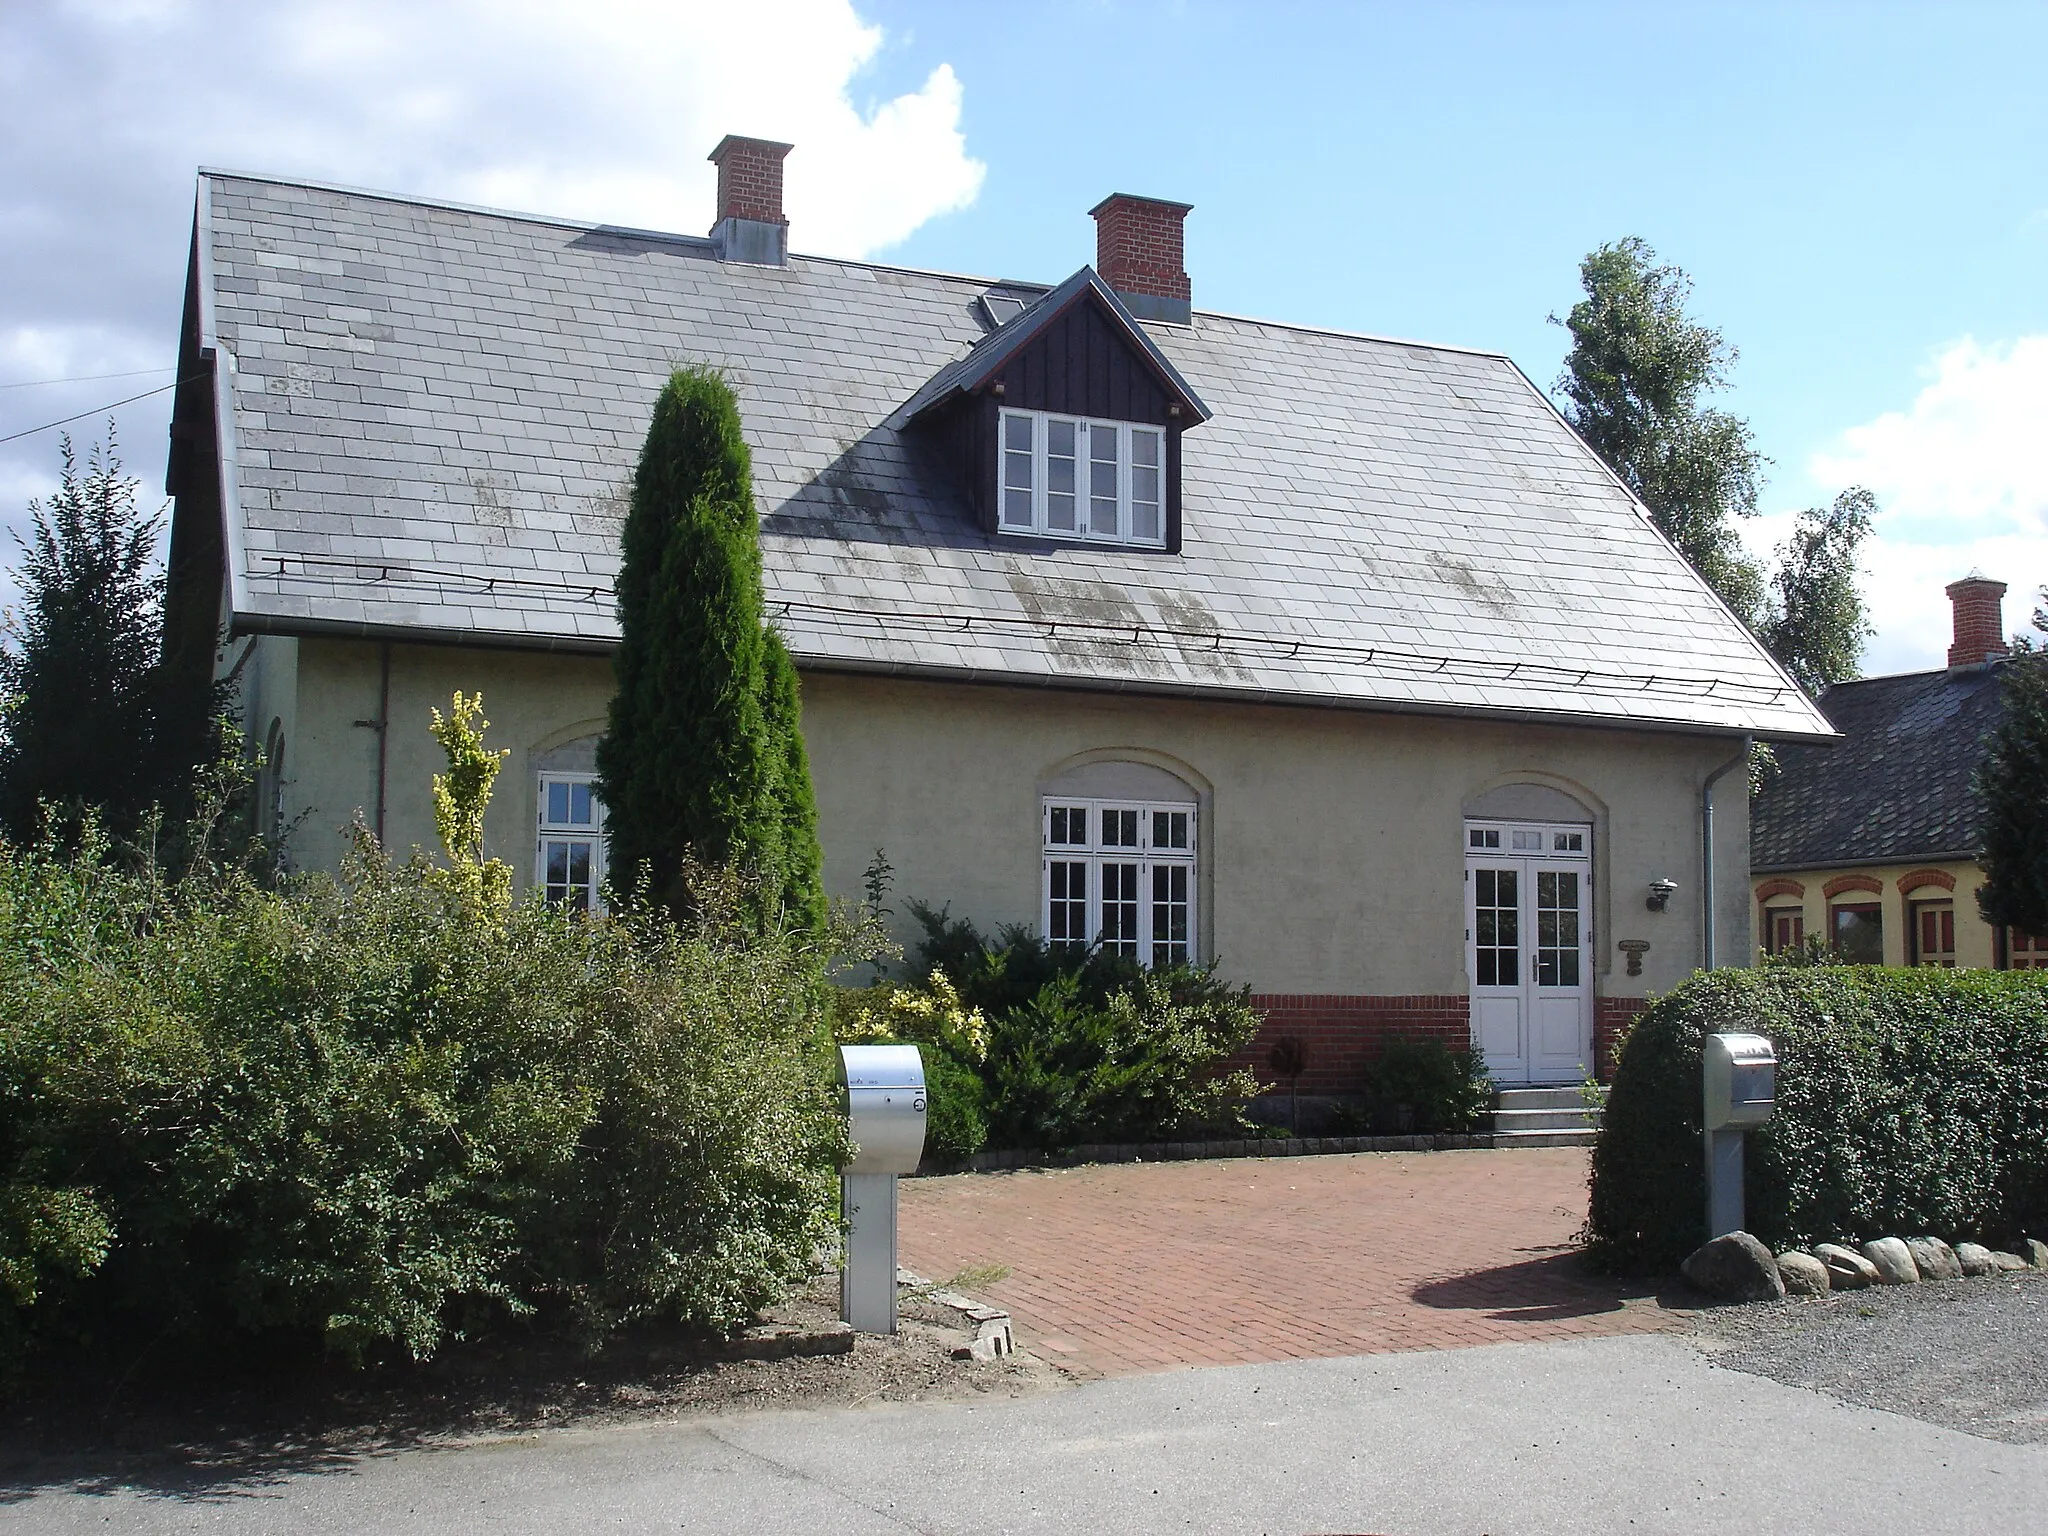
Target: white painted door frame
[{"x": 1529, "y": 947}]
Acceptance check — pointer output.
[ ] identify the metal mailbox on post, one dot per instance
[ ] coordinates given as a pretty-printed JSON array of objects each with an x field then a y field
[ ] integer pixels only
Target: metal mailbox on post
[
  {"x": 885, "y": 1115},
  {"x": 1740, "y": 1083}
]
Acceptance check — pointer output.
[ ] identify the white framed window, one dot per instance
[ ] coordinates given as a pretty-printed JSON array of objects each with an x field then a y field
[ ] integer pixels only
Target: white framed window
[
  {"x": 1121, "y": 874},
  {"x": 569, "y": 852},
  {"x": 1068, "y": 477}
]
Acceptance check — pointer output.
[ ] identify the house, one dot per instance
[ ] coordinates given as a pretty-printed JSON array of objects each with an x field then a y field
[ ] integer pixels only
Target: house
[
  {"x": 1871, "y": 845},
  {"x": 1336, "y": 660}
]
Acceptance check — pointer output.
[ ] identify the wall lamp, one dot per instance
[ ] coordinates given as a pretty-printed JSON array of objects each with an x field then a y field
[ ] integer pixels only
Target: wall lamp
[{"x": 1661, "y": 892}]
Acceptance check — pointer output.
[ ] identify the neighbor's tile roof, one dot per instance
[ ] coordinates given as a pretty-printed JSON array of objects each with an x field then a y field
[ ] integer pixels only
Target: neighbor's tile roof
[
  {"x": 435, "y": 412},
  {"x": 1897, "y": 787}
]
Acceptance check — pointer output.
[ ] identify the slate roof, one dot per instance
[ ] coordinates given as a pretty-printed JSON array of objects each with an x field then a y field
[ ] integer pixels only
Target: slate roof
[
  {"x": 431, "y": 414},
  {"x": 1897, "y": 788}
]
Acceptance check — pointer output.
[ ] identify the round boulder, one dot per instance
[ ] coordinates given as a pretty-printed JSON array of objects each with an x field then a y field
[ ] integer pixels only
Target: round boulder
[
  {"x": 1803, "y": 1274},
  {"x": 1735, "y": 1267},
  {"x": 1848, "y": 1270},
  {"x": 1894, "y": 1261},
  {"x": 1975, "y": 1258},
  {"x": 1934, "y": 1259},
  {"x": 2035, "y": 1252}
]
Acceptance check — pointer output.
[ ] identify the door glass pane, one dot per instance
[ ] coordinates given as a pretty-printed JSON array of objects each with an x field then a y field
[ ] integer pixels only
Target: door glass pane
[
  {"x": 1067, "y": 907},
  {"x": 1120, "y": 910},
  {"x": 1060, "y": 475},
  {"x": 1169, "y": 914},
  {"x": 1497, "y": 927},
  {"x": 1102, "y": 476},
  {"x": 1557, "y": 928}
]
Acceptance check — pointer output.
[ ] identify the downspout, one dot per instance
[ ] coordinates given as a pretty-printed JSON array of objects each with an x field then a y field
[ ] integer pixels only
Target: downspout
[
  {"x": 382, "y": 726},
  {"x": 1709, "y": 947}
]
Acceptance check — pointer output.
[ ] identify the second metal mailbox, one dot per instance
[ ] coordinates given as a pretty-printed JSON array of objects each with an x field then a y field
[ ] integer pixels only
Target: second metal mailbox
[
  {"x": 1740, "y": 1081},
  {"x": 885, "y": 1107}
]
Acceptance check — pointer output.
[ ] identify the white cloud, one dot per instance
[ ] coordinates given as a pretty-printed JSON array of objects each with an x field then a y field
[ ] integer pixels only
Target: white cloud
[
  {"x": 601, "y": 110},
  {"x": 1961, "y": 475}
]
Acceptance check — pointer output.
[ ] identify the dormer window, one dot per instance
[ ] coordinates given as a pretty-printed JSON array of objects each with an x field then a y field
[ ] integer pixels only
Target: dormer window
[{"x": 1069, "y": 477}]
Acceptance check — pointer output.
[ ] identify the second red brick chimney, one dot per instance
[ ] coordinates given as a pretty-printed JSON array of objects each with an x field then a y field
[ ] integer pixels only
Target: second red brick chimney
[
  {"x": 1980, "y": 620},
  {"x": 751, "y": 226},
  {"x": 1139, "y": 252}
]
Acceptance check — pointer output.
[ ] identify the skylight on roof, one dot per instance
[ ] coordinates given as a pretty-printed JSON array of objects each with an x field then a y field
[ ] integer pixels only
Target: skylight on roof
[{"x": 1002, "y": 308}]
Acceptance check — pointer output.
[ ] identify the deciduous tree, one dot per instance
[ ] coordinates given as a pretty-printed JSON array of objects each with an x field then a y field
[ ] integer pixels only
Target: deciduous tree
[
  {"x": 1814, "y": 620},
  {"x": 1635, "y": 385}
]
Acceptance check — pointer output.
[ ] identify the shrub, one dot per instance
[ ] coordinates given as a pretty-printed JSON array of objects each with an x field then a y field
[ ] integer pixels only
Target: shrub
[
  {"x": 1044, "y": 1048},
  {"x": 1908, "y": 1102},
  {"x": 376, "y": 1107},
  {"x": 1438, "y": 1088}
]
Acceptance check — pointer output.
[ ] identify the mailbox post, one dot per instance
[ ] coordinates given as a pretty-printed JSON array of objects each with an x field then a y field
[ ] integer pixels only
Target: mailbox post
[
  {"x": 1740, "y": 1082},
  {"x": 885, "y": 1110}
]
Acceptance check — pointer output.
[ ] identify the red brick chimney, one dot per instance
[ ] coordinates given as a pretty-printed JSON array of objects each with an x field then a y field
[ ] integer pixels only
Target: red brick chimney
[
  {"x": 751, "y": 226},
  {"x": 1980, "y": 620},
  {"x": 1139, "y": 252}
]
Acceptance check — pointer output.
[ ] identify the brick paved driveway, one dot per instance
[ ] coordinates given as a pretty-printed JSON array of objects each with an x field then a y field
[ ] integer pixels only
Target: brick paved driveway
[{"x": 1134, "y": 1267}]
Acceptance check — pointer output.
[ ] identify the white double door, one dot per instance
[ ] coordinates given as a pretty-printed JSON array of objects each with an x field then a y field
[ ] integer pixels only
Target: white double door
[{"x": 1529, "y": 948}]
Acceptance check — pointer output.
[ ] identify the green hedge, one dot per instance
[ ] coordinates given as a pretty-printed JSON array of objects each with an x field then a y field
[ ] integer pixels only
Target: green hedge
[
  {"x": 1909, "y": 1102},
  {"x": 369, "y": 1110}
]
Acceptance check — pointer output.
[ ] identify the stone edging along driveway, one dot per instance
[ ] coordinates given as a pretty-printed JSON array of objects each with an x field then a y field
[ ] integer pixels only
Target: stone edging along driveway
[{"x": 1189, "y": 1151}]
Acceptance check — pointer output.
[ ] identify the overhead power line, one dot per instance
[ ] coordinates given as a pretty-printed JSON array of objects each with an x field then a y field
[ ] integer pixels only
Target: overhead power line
[
  {"x": 15, "y": 437},
  {"x": 85, "y": 378}
]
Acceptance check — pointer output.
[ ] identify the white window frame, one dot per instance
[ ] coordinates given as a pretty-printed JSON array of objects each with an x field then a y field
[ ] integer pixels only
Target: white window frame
[
  {"x": 1040, "y": 525},
  {"x": 1094, "y": 853},
  {"x": 591, "y": 832}
]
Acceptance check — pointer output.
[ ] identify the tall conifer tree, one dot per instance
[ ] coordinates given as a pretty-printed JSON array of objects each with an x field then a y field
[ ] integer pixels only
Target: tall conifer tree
[
  {"x": 2013, "y": 780},
  {"x": 698, "y": 761},
  {"x": 79, "y": 672}
]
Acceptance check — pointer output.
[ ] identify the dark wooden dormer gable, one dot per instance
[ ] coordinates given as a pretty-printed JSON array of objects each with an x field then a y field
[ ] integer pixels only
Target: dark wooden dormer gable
[{"x": 1076, "y": 356}]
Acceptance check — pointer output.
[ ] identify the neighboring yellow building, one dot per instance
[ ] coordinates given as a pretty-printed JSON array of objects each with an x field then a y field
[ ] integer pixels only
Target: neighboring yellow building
[{"x": 1870, "y": 845}]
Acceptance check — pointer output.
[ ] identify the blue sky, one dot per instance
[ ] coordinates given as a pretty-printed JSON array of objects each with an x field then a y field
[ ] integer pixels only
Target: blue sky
[{"x": 1859, "y": 192}]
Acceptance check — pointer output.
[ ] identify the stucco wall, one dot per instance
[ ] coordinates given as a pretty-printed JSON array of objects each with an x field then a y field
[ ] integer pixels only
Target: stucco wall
[
  {"x": 1331, "y": 840},
  {"x": 1975, "y": 939},
  {"x": 1331, "y": 849}
]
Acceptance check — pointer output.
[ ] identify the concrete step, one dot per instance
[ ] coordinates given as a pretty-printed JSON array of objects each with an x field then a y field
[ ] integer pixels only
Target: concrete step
[
  {"x": 1578, "y": 1118},
  {"x": 1545, "y": 1138},
  {"x": 1571, "y": 1097}
]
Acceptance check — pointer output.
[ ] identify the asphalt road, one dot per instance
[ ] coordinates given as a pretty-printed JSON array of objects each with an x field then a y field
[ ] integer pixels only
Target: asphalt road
[{"x": 1602, "y": 1435}]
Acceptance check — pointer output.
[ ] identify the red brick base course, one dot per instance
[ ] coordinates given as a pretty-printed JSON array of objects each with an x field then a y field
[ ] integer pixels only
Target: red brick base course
[
  {"x": 1345, "y": 1035},
  {"x": 1611, "y": 1016}
]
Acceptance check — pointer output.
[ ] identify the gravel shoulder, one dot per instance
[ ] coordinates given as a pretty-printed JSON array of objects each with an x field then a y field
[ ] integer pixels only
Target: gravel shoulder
[{"x": 1965, "y": 1354}]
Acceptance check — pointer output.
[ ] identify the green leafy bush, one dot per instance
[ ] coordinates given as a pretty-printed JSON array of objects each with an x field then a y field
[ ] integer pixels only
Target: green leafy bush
[
  {"x": 378, "y": 1107},
  {"x": 1909, "y": 1101},
  {"x": 1043, "y": 1048},
  {"x": 1423, "y": 1086}
]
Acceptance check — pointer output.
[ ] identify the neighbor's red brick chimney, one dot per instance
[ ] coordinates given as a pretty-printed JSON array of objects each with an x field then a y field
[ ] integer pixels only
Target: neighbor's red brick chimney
[
  {"x": 1980, "y": 620},
  {"x": 750, "y": 225},
  {"x": 1140, "y": 253}
]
